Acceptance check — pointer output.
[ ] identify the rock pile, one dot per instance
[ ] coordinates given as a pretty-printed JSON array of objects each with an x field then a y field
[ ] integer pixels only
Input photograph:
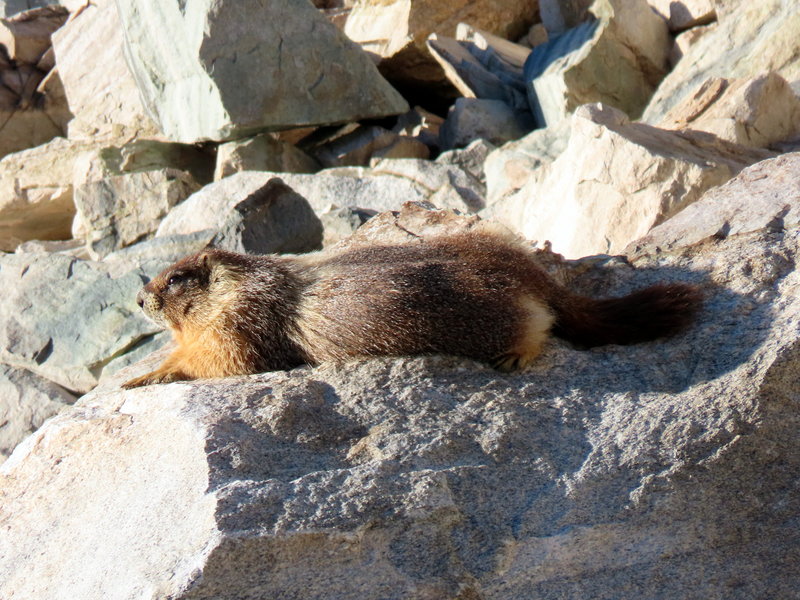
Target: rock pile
[{"x": 632, "y": 141}]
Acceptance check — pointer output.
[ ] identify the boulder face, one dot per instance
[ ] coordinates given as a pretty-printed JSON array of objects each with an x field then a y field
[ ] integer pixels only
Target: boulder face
[
  {"x": 224, "y": 70},
  {"x": 656, "y": 470},
  {"x": 615, "y": 181}
]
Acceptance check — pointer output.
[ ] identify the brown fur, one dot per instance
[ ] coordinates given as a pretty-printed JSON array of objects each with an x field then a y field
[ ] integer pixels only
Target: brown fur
[{"x": 479, "y": 294}]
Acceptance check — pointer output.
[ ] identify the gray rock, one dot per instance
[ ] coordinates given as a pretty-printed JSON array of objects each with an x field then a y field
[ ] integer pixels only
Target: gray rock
[
  {"x": 65, "y": 319},
  {"x": 339, "y": 223},
  {"x": 471, "y": 158},
  {"x": 357, "y": 147},
  {"x": 119, "y": 211},
  {"x": 763, "y": 196},
  {"x": 273, "y": 219},
  {"x": 26, "y": 401},
  {"x": 387, "y": 186},
  {"x": 225, "y": 70},
  {"x": 662, "y": 470},
  {"x": 471, "y": 118},
  {"x": 262, "y": 153}
]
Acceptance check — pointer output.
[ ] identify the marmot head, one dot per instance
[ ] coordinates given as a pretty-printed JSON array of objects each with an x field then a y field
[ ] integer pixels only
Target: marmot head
[{"x": 191, "y": 291}]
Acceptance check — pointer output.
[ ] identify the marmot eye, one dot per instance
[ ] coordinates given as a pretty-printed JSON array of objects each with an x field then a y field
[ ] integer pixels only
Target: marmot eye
[{"x": 175, "y": 279}]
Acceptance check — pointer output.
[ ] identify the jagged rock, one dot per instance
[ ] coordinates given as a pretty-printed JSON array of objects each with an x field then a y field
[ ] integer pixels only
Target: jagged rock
[
  {"x": 65, "y": 319},
  {"x": 420, "y": 124},
  {"x": 662, "y": 470},
  {"x": 24, "y": 121},
  {"x": 764, "y": 196},
  {"x": 262, "y": 153},
  {"x": 26, "y": 401},
  {"x": 358, "y": 147},
  {"x": 618, "y": 59},
  {"x": 397, "y": 31},
  {"x": 119, "y": 211},
  {"x": 471, "y": 118},
  {"x": 615, "y": 181},
  {"x": 755, "y": 112},
  {"x": 387, "y": 186},
  {"x": 559, "y": 15},
  {"x": 685, "y": 14},
  {"x": 203, "y": 87},
  {"x": 482, "y": 65},
  {"x": 143, "y": 155},
  {"x": 509, "y": 167},
  {"x": 273, "y": 219},
  {"x": 686, "y": 40},
  {"x": 471, "y": 159},
  {"x": 36, "y": 193},
  {"x": 753, "y": 39},
  {"x": 26, "y": 36},
  {"x": 101, "y": 92},
  {"x": 54, "y": 102},
  {"x": 339, "y": 223}
]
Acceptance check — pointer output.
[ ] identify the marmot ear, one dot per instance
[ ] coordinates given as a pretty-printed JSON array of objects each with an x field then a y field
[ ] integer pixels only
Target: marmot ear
[{"x": 207, "y": 259}]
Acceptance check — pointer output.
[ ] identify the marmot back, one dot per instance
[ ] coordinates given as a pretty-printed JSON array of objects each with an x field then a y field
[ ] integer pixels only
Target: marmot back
[{"x": 478, "y": 294}]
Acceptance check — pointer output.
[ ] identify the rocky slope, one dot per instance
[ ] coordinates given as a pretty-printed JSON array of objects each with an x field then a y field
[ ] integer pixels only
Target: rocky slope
[{"x": 615, "y": 135}]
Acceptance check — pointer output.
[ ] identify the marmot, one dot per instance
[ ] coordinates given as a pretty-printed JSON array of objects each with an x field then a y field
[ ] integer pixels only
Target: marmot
[{"x": 478, "y": 294}]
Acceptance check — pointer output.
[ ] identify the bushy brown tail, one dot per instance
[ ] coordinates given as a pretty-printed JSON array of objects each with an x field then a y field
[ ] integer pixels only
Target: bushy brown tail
[{"x": 654, "y": 312}]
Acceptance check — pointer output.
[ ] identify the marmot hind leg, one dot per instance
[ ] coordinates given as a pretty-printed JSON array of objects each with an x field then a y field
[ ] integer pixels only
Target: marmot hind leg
[{"x": 533, "y": 331}]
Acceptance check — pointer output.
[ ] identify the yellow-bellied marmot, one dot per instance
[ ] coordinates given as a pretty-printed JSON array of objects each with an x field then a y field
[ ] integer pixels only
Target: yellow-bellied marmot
[{"x": 478, "y": 294}]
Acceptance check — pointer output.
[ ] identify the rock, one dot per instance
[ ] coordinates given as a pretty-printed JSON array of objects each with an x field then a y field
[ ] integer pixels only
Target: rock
[
  {"x": 618, "y": 60},
  {"x": 262, "y": 153},
  {"x": 661, "y": 470},
  {"x": 167, "y": 249},
  {"x": 755, "y": 112},
  {"x": 100, "y": 90},
  {"x": 26, "y": 36},
  {"x": 203, "y": 88},
  {"x": 143, "y": 155},
  {"x": 421, "y": 125},
  {"x": 26, "y": 401},
  {"x": 509, "y": 167},
  {"x": 54, "y": 102},
  {"x": 339, "y": 223},
  {"x": 686, "y": 40},
  {"x": 685, "y": 14},
  {"x": 36, "y": 193},
  {"x": 65, "y": 319},
  {"x": 471, "y": 159},
  {"x": 358, "y": 147},
  {"x": 9, "y": 8},
  {"x": 273, "y": 219},
  {"x": 559, "y": 15},
  {"x": 74, "y": 248},
  {"x": 756, "y": 38},
  {"x": 493, "y": 120},
  {"x": 387, "y": 186},
  {"x": 25, "y": 122},
  {"x": 397, "y": 30},
  {"x": 615, "y": 181},
  {"x": 119, "y": 211},
  {"x": 536, "y": 36},
  {"x": 763, "y": 196},
  {"x": 481, "y": 65}
]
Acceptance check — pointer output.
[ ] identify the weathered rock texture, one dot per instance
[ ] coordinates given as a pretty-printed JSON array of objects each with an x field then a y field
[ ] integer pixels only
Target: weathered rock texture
[
  {"x": 65, "y": 319},
  {"x": 262, "y": 153},
  {"x": 397, "y": 30},
  {"x": 101, "y": 92},
  {"x": 195, "y": 67},
  {"x": 753, "y": 112},
  {"x": 26, "y": 401},
  {"x": 615, "y": 181},
  {"x": 751, "y": 38},
  {"x": 659, "y": 470}
]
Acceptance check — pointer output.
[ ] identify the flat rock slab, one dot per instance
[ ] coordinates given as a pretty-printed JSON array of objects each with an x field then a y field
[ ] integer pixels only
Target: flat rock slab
[
  {"x": 665, "y": 469},
  {"x": 220, "y": 70}
]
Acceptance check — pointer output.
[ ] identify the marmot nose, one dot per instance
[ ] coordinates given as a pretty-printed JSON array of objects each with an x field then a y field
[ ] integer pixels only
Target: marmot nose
[{"x": 140, "y": 299}]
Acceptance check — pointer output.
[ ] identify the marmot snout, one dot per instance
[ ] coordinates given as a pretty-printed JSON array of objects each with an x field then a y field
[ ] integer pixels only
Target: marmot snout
[{"x": 478, "y": 294}]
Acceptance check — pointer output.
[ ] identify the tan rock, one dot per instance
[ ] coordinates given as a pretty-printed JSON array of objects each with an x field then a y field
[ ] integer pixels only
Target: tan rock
[
  {"x": 360, "y": 146},
  {"x": 615, "y": 181},
  {"x": 101, "y": 92},
  {"x": 397, "y": 30},
  {"x": 36, "y": 193},
  {"x": 685, "y": 14},
  {"x": 752, "y": 112},
  {"x": 54, "y": 101},
  {"x": 617, "y": 59},
  {"x": 26, "y": 35},
  {"x": 23, "y": 121},
  {"x": 764, "y": 196},
  {"x": 262, "y": 153},
  {"x": 686, "y": 40},
  {"x": 753, "y": 39}
]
